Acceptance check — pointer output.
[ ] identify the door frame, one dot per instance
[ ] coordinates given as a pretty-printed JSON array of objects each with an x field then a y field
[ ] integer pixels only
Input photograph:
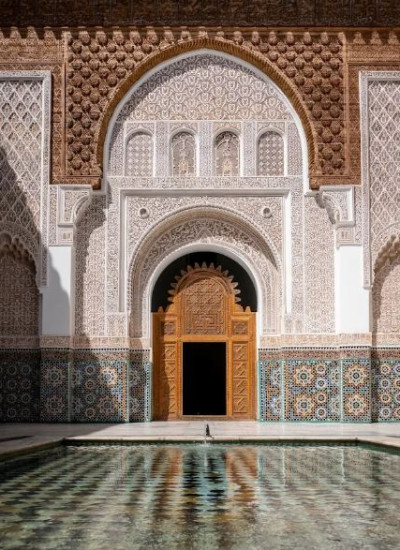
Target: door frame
[{"x": 240, "y": 338}]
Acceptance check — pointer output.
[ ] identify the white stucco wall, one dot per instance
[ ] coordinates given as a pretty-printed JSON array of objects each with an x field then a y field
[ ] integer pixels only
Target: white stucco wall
[{"x": 352, "y": 300}]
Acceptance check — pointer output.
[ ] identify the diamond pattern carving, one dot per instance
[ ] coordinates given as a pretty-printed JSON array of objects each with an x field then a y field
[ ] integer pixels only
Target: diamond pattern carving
[
  {"x": 139, "y": 155},
  {"x": 21, "y": 115},
  {"x": 384, "y": 154},
  {"x": 270, "y": 161}
]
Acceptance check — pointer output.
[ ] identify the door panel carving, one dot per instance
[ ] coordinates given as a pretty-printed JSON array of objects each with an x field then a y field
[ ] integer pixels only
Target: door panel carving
[{"x": 204, "y": 308}]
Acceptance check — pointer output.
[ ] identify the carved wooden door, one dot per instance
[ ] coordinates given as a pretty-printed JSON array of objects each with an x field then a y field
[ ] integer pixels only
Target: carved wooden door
[{"x": 204, "y": 308}]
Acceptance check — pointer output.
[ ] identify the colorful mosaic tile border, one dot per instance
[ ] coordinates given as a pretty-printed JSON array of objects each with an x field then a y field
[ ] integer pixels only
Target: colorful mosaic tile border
[
  {"x": 356, "y": 383},
  {"x": 140, "y": 387},
  {"x": 271, "y": 384},
  {"x": 312, "y": 390},
  {"x": 55, "y": 373},
  {"x": 98, "y": 387},
  {"x": 103, "y": 385},
  {"x": 386, "y": 390},
  {"x": 336, "y": 390},
  {"x": 91, "y": 385}
]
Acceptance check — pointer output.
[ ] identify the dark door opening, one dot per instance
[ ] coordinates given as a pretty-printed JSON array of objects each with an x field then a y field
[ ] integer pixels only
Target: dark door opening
[{"x": 204, "y": 378}]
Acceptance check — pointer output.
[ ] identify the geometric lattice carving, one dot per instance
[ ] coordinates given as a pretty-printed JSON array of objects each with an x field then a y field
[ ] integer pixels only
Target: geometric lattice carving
[
  {"x": 240, "y": 385},
  {"x": 270, "y": 161},
  {"x": 384, "y": 143},
  {"x": 139, "y": 155},
  {"x": 183, "y": 154},
  {"x": 24, "y": 159},
  {"x": 227, "y": 154},
  {"x": 204, "y": 304},
  {"x": 19, "y": 295},
  {"x": 202, "y": 299}
]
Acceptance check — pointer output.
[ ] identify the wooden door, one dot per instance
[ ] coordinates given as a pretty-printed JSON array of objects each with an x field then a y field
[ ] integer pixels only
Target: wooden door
[{"x": 204, "y": 308}]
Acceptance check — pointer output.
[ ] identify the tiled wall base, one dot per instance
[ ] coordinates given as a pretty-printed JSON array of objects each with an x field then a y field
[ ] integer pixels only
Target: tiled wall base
[
  {"x": 386, "y": 385},
  {"x": 95, "y": 386},
  {"x": 320, "y": 386},
  {"x": 19, "y": 385},
  {"x": 102, "y": 385},
  {"x": 139, "y": 386}
]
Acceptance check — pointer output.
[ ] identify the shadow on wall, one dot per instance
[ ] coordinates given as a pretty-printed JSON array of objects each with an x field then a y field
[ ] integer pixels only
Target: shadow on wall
[
  {"x": 84, "y": 382},
  {"x": 107, "y": 384},
  {"x": 385, "y": 363},
  {"x": 20, "y": 245},
  {"x": 50, "y": 384}
]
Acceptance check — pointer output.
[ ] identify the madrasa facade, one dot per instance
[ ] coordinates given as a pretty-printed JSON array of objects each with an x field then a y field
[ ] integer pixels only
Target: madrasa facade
[{"x": 200, "y": 210}]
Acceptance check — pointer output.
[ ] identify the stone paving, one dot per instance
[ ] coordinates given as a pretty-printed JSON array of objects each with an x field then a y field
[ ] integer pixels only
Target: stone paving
[{"x": 16, "y": 438}]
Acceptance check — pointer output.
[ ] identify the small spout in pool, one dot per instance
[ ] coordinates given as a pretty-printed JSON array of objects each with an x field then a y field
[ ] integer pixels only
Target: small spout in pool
[{"x": 207, "y": 433}]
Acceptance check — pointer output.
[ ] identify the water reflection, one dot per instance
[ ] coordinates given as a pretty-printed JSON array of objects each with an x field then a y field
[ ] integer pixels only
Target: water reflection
[{"x": 205, "y": 496}]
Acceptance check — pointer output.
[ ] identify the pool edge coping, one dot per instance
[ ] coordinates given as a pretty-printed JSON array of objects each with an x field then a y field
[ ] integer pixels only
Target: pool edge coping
[{"x": 32, "y": 447}]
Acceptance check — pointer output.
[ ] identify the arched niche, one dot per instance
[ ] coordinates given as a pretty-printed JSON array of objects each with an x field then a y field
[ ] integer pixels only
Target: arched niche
[
  {"x": 200, "y": 86},
  {"x": 204, "y": 229}
]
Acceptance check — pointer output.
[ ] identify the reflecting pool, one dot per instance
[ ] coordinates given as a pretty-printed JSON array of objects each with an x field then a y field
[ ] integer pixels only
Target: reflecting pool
[{"x": 201, "y": 497}]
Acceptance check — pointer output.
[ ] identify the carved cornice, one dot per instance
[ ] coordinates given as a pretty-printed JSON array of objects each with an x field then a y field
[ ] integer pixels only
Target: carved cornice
[
  {"x": 317, "y": 70},
  {"x": 193, "y": 12}
]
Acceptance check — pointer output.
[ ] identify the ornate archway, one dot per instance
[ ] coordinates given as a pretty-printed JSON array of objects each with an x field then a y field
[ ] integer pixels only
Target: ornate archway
[
  {"x": 204, "y": 228},
  {"x": 204, "y": 309}
]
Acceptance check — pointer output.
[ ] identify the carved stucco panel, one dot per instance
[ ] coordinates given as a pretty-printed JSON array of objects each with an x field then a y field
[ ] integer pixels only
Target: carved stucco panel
[
  {"x": 237, "y": 114},
  {"x": 295, "y": 321},
  {"x": 380, "y": 115},
  {"x": 25, "y": 160},
  {"x": 90, "y": 313},
  {"x": 202, "y": 230},
  {"x": 19, "y": 295},
  {"x": 386, "y": 298},
  {"x": 102, "y": 64},
  {"x": 250, "y": 209},
  {"x": 214, "y": 88},
  {"x": 319, "y": 288}
]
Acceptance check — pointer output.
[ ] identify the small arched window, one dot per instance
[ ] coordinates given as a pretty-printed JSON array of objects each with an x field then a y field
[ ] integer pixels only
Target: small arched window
[
  {"x": 226, "y": 154},
  {"x": 270, "y": 154},
  {"x": 139, "y": 155},
  {"x": 183, "y": 154}
]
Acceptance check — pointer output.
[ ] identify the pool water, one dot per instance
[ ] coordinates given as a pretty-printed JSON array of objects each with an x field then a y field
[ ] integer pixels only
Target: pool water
[{"x": 201, "y": 497}]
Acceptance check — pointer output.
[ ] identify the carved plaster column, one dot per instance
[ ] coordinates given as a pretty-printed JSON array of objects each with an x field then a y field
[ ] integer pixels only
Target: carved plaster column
[{"x": 352, "y": 300}]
